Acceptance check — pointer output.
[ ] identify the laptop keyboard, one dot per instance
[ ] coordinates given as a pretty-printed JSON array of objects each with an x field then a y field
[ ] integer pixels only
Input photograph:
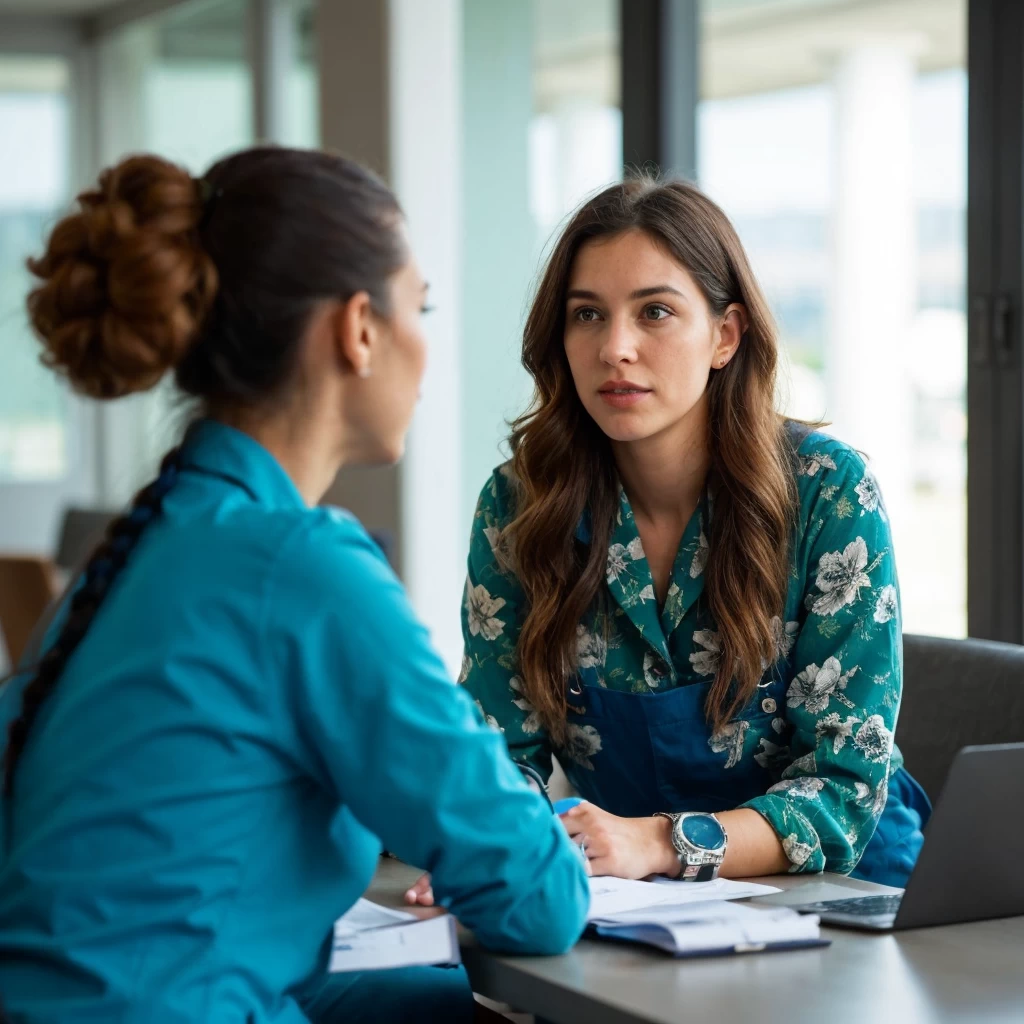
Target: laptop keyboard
[{"x": 862, "y": 906}]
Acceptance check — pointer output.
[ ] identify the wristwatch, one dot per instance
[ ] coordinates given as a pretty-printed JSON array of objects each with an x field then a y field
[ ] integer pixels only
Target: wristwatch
[{"x": 700, "y": 841}]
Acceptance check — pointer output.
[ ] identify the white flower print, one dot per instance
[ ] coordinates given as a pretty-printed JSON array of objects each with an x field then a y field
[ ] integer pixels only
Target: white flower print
[
  {"x": 840, "y": 578},
  {"x": 875, "y": 798},
  {"x": 808, "y": 764},
  {"x": 481, "y": 608},
  {"x": 887, "y": 605},
  {"x": 806, "y": 788},
  {"x": 772, "y": 755},
  {"x": 798, "y": 853},
  {"x": 531, "y": 723},
  {"x": 635, "y": 549},
  {"x": 467, "y": 667},
  {"x": 705, "y": 662},
  {"x": 869, "y": 496},
  {"x": 700, "y": 557},
  {"x": 814, "y": 687},
  {"x": 810, "y": 464},
  {"x": 674, "y": 604},
  {"x": 493, "y": 535},
  {"x": 729, "y": 740},
  {"x": 591, "y": 649},
  {"x": 647, "y": 594},
  {"x": 784, "y": 636},
  {"x": 489, "y": 719},
  {"x": 581, "y": 743},
  {"x": 616, "y": 562},
  {"x": 654, "y": 670},
  {"x": 831, "y": 728},
  {"x": 874, "y": 740}
]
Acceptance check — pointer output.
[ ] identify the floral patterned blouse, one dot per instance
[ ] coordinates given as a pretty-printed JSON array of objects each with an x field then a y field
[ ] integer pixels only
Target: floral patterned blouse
[{"x": 826, "y": 743}]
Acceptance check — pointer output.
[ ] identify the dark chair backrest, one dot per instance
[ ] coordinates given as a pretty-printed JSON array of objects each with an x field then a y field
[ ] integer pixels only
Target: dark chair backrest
[
  {"x": 27, "y": 586},
  {"x": 81, "y": 530},
  {"x": 955, "y": 693}
]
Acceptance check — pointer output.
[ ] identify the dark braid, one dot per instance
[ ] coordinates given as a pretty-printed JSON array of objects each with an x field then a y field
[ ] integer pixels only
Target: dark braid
[{"x": 99, "y": 574}]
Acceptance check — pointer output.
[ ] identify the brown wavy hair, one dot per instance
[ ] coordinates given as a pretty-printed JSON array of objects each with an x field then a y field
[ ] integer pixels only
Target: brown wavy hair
[{"x": 564, "y": 467}]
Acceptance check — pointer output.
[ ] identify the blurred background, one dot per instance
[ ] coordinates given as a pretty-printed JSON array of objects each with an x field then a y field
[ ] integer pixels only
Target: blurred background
[{"x": 833, "y": 132}]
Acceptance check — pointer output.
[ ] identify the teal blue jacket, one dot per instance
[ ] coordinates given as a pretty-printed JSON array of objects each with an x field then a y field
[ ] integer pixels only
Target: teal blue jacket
[{"x": 254, "y": 711}]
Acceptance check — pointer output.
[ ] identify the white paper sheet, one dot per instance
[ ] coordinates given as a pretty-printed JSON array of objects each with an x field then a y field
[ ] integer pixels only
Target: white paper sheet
[
  {"x": 615, "y": 895},
  {"x": 372, "y": 938},
  {"x": 365, "y": 915}
]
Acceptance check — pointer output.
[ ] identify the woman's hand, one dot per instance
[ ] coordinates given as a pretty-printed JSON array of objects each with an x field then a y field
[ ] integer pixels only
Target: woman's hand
[
  {"x": 421, "y": 894},
  {"x": 624, "y": 847}
]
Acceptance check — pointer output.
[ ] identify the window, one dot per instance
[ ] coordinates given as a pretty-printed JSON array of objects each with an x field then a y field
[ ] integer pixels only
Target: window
[
  {"x": 542, "y": 129},
  {"x": 178, "y": 85},
  {"x": 33, "y": 190},
  {"x": 834, "y": 135}
]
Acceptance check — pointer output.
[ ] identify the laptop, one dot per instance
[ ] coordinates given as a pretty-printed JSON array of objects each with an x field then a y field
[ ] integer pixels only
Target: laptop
[{"x": 971, "y": 867}]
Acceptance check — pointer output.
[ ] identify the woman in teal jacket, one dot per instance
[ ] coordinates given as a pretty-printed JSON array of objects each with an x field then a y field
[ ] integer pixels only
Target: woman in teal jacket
[{"x": 236, "y": 707}]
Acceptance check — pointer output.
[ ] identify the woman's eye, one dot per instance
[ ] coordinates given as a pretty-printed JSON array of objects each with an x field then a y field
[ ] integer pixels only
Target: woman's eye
[
  {"x": 656, "y": 313},
  {"x": 587, "y": 315}
]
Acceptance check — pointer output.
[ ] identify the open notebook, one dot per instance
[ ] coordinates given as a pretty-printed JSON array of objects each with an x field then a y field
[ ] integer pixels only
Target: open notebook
[{"x": 711, "y": 928}]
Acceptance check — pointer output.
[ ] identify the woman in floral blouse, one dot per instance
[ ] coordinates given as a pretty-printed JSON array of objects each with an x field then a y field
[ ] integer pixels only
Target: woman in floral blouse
[{"x": 692, "y": 603}]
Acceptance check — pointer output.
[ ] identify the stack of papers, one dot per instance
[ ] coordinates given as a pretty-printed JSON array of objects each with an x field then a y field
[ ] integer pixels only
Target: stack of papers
[
  {"x": 374, "y": 938},
  {"x": 614, "y": 895},
  {"x": 712, "y": 928}
]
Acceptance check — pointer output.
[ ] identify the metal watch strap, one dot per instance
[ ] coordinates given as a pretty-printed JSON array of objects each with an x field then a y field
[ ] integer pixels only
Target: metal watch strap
[{"x": 706, "y": 869}]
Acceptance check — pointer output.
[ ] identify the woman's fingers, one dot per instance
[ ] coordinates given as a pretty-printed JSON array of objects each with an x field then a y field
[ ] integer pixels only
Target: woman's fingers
[
  {"x": 576, "y": 819},
  {"x": 421, "y": 892}
]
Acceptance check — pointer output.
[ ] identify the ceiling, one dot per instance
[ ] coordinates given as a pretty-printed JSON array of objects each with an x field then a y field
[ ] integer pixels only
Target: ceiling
[
  {"x": 54, "y": 6},
  {"x": 746, "y": 46}
]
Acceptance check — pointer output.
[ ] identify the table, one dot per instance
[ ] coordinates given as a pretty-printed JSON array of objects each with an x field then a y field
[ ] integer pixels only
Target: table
[{"x": 970, "y": 973}]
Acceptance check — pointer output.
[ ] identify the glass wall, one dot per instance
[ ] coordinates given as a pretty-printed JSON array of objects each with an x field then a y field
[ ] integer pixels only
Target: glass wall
[
  {"x": 834, "y": 135},
  {"x": 179, "y": 85},
  {"x": 302, "y": 122},
  {"x": 33, "y": 189},
  {"x": 542, "y": 129}
]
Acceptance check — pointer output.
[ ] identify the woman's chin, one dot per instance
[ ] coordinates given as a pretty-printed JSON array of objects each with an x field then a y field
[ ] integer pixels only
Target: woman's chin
[
  {"x": 623, "y": 432},
  {"x": 378, "y": 454}
]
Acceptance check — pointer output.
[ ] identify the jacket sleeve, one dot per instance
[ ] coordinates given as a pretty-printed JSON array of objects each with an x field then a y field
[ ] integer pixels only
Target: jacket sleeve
[
  {"x": 384, "y": 727},
  {"x": 492, "y": 610},
  {"x": 843, "y": 702}
]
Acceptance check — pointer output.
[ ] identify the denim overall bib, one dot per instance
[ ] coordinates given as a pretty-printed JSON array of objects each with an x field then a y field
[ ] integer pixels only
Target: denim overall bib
[{"x": 655, "y": 756}]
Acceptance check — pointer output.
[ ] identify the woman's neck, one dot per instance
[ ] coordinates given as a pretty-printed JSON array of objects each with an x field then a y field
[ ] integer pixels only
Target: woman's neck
[
  {"x": 664, "y": 475},
  {"x": 306, "y": 452}
]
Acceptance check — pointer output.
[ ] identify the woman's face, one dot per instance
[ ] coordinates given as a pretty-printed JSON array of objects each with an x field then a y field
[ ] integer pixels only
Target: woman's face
[
  {"x": 382, "y": 398},
  {"x": 640, "y": 338}
]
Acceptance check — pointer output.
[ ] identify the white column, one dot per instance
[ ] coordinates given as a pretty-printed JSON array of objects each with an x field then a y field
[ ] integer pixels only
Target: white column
[
  {"x": 589, "y": 150},
  {"x": 271, "y": 58},
  {"x": 875, "y": 279},
  {"x": 425, "y": 58},
  {"x": 390, "y": 74}
]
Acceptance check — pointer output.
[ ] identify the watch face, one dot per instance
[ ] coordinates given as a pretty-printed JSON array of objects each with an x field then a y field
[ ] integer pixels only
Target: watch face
[{"x": 703, "y": 831}]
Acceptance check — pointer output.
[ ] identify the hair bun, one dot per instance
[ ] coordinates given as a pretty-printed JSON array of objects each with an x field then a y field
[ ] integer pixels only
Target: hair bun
[{"x": 125, "y": 281}]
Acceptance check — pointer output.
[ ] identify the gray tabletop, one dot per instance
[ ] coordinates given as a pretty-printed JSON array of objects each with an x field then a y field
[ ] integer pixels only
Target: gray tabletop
[{"x": 965, "y": 973}]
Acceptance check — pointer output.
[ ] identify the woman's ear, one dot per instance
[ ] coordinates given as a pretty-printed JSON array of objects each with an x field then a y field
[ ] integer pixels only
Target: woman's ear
[
  {"x": 728, "y": 335},
  {"x": 356, "y": 329}
]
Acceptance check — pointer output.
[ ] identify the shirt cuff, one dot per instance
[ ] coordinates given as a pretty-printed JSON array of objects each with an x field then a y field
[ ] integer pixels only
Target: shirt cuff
[{"x": 799, "y": 838}]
